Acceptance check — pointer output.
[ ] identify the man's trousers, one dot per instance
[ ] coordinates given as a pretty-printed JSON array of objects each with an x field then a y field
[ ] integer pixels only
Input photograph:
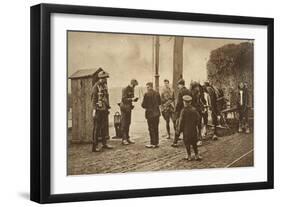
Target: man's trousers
[{"x": 153, "y": 128}]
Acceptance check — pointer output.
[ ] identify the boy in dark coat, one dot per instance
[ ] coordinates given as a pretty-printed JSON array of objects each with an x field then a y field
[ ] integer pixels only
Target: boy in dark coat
[
  {"x": 188, "y": 124},
  {"x": 151, "y": 102}
]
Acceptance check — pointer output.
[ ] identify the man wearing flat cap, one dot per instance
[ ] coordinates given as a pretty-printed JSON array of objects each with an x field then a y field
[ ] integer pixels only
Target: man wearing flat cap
[
  {"x": 151, "y": 102},
  {"x": 188, "y": 124},
  {"x": 179, "y": 105},
  {"x": 100, "y": 100},
  {"x": 126, "y": 107}
]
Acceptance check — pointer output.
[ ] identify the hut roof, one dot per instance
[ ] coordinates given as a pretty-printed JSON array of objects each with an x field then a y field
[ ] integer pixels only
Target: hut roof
[{"x": 84, "y": 73}]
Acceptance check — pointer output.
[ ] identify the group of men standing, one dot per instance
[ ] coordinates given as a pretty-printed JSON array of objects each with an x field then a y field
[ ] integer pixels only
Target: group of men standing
[
  {"x": 152, "y": 102},
  {"x": 185, "y": 118},
  {"x": 101, "y": 106},
  {"x": 186, "y": 111}
]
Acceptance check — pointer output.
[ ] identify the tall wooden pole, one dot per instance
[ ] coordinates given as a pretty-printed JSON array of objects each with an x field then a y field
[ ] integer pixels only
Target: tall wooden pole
[
  {"x": 157, "y": 48},
  {"x": 177, "y": 61}
]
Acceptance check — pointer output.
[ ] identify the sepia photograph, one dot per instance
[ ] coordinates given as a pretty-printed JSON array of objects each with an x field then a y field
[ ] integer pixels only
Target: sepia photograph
[{"x": 143, "y": 103}]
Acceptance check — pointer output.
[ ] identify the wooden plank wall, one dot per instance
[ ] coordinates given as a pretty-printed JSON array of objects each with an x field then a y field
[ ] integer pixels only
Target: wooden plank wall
[
  {"x": 82, "y": 111},
  {"x": 75, "y": 110},
  {"x": 82, "y": 121},
  {"x": 88, "y": 123}
]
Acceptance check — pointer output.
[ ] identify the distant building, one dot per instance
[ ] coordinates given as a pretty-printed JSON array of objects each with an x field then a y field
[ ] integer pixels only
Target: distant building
[{"x": 82, "y": 82}]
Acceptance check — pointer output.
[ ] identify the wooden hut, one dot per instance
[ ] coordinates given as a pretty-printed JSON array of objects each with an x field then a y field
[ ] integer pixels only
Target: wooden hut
[{"x": 82, "y": 82}]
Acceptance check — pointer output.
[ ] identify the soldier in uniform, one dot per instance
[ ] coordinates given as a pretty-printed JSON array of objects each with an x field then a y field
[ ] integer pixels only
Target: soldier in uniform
[
  {"x": 126, "y": 108},
  {"x": 100, "y": 99},
  {"x": 188, "y": 124},
  {"x": 179, "y": 105},
  {"x": 168, "y": 106},
  {"x": 151, "y": 103}
]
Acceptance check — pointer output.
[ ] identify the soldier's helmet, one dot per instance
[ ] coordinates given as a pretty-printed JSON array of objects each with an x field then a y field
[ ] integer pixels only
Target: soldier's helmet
[
  {"x": 187, "y": 98},
  {"x": 103, "y": 74}
]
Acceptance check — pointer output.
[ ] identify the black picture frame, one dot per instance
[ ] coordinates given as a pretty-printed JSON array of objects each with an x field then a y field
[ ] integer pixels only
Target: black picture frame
[{"x": 41, "y": 99}]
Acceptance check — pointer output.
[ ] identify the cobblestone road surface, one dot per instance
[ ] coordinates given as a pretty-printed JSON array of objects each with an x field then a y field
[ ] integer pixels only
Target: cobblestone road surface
[{"x": 235, "y": 150}]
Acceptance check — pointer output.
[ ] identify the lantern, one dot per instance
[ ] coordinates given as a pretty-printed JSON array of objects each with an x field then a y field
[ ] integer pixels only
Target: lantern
[{"x": 117, "y": 124}]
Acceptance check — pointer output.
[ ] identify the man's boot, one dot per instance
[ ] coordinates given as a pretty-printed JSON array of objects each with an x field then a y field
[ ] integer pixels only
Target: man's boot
[
  {"x": 240, "y": 128},
  {"x": 247, "y": 131},
  {"x": 106, "y": 146},
  {"x": 130, "y": 141},
  {"x": 125, "y": 142},
  {"x": 175, "y": 143},
  {"x": 125, "y": 138},
  {"x": 215, "y": 137},
  {"x": 95, "y": 149},
  {"x": 128, "y": 138},
  {"x": 169, "y": 135},
  {"x": 188, "y": 158},
  {"x": 168, "y": 131},
  {"x": 198, "y": 157}
]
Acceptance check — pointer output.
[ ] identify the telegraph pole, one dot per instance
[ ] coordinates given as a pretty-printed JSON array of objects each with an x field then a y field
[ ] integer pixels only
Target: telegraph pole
[
  {"x": 157, "y": 48},
  {"x": 177, "y": 61}
]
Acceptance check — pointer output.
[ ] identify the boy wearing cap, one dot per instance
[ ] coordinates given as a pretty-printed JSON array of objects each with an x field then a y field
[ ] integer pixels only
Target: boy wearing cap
[
  {"x": 188, "y": 124},
  {"x": 179, "y": 105}
]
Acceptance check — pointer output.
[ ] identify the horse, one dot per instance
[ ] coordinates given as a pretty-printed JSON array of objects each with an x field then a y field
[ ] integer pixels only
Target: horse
[
  {"x": 216, "y": 103},
  {"x": 199, "y": 102}
]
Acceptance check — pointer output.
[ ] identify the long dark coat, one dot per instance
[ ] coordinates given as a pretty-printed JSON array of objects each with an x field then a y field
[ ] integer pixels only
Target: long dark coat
[
  {"x": 179, "y": 102},
  {"x": 151, "y": 102},
  {"x": 188, "y": 124}
]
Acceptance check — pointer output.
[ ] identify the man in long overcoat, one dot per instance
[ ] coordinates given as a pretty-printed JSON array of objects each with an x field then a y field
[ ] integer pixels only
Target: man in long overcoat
[{"x": 151, "y": 102}]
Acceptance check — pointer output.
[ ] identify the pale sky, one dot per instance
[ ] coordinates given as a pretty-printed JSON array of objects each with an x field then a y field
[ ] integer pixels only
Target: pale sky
[{"x": 126, "y": 56}]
